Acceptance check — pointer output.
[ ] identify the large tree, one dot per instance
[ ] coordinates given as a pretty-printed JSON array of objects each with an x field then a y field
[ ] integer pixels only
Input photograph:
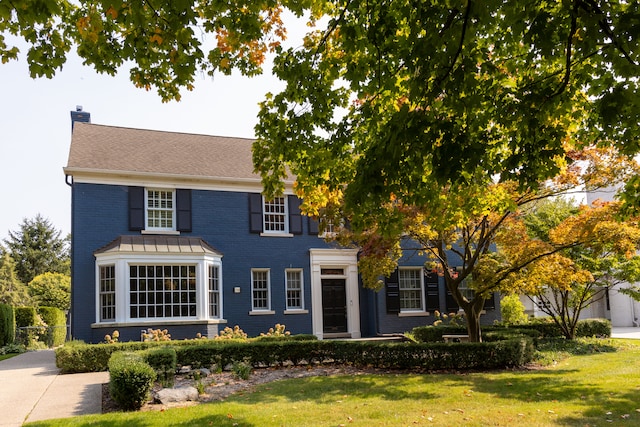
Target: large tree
[
  {"x": 600, "y": 255},
  {"x": 37, "y": 248},
  {"x": 410, "y": 88}
]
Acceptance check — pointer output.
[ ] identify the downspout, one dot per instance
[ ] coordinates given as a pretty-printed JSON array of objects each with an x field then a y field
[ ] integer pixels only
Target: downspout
[{"x": 66, "y": 180}]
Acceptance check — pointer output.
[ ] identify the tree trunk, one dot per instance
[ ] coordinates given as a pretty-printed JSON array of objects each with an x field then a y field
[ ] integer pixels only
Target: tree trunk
[{"x": 472, "y": 311}]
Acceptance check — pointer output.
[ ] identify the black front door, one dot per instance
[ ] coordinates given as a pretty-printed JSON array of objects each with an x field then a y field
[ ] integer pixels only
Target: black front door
[{"x": 334, "y": 305}]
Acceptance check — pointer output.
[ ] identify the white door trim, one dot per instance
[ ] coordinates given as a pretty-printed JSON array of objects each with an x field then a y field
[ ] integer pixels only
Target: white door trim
[{"x": 347, "y": 259}]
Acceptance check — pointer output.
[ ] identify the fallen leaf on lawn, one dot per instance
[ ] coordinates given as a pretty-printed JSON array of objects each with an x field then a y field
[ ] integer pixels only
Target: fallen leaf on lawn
[
  {"x": 350, "y": 419},
  {"x": 459, "y": 410},
  {"x": 609, "y": 413},
  {"x": 625, "y": 416},
  {"x": 229, "y": 416},
  {"x": 521, "y": 415},
  {"x": 430, "y": 419},
  {"x": 551, "y": 411}
]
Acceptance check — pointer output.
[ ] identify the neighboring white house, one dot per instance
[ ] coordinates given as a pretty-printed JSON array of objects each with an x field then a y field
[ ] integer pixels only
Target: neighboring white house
[{"x": 622, "y": 310}]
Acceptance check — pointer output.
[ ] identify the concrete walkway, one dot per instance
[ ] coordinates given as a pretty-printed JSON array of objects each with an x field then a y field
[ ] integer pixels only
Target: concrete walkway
[{"x": 32, "y": 390}]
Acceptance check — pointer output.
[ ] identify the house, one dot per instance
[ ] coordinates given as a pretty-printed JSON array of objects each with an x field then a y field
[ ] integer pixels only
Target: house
[{"x": 170, "y": 231}]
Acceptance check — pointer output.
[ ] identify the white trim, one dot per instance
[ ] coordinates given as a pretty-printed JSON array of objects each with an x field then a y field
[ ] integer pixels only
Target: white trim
[
  {"x": 347, "y": 260},
  {"x": 194, "y": 182},
  {"x": 261, "y": 312},
  {"x": 173, "y": 210},
  {"x": 156, "y": 322},
  {"x": 275, "y": 234},
  {"x": 161, "y": 232},
  {"x": 414, "y": 314},
  {"x": 295, "y": 312},
  {"x": 423, "y": 301},
  {"x": 286, "y": 290},
  {"x": 266, "y": 310}
]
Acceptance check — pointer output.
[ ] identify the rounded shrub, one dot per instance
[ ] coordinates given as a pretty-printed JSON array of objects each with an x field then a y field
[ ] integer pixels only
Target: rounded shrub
[{"x": 130, "y": 379}]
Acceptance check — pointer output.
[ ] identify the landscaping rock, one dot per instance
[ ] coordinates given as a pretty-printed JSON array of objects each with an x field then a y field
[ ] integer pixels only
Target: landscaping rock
[
  {"x": 204, "y": 372},
  {"x": 178, "y": 394}
]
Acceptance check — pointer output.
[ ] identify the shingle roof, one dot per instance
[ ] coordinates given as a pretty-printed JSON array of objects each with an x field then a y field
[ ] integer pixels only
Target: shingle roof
[
  {"x": 158, "y": 245},
  {"x": 120, "y": 150}
]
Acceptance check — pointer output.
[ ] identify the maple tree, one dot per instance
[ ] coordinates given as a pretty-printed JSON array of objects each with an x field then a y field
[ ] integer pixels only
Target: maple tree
[
  {"x": 600, "y": 256},
  {"x": 474, "y": 237}
]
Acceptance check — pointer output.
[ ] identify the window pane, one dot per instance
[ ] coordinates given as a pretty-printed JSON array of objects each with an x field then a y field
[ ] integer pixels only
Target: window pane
[
  {"x": 410, "y": 283},
  {"x": 294, "y": 289},
  {"x": 275, "y": 215},
  {"x": 148, "y": 296},
  {"x": 107, "y": 295}
]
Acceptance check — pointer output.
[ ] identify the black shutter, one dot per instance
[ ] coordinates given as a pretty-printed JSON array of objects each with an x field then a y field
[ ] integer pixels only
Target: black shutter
[
  {"x": 136, "y": 208},
  {"x": 295, "y": 217},
  {"x": 314, "y": 226},
  {"x": 183, "y": 211},
  {"x": 431, "y": 291},
  {"x": 392, "y": 290},
  {"x": 255, "y": 213},
  {"x": 452, "y": 305},
  {"x": 490, "y": 303}
]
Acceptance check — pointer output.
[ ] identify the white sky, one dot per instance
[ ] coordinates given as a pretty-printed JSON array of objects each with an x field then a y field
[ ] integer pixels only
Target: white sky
[{"x": 35, "y": 126}]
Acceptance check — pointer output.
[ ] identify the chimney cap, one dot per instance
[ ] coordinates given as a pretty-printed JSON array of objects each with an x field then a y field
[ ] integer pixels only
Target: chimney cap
[{"x": 78, "y": 107}]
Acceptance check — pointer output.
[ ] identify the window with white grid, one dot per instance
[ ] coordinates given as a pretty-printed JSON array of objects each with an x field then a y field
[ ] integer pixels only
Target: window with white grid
[
  {"x": 410, "y": 286},
  {"x": 107, "y": 293},
  {"x": 162, "y": 291},
  {"x": 260, "y": 290},
  {"x": 294, "y": 289},
  {"x": 275, "y": 215},
  {"x": 214, "y": 291},
  {"x": 160, "y": 210}
]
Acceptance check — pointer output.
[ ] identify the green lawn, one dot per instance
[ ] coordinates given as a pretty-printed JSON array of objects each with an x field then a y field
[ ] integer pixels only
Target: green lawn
[
  {"x": 7, "y": 356},
  {"x": 600, "y": 389}
]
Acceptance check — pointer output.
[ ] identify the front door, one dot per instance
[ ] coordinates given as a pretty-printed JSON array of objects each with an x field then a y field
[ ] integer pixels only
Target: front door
[{"x": 334, "y": 305}]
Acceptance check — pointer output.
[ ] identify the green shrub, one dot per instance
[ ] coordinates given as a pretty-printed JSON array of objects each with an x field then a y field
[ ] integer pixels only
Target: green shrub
[
  {"x": 241, "y": 370},
  {"x": 163, "y": 361},
  {"x": 26, "y": 316},
  {"x": 7, "y": 325},
  {"x": 435, "y": 333},
  {"x": 56, "y": 322},
  {"x": 130, "y": 379},
  {"x": 512, "y": 310},
  {"x": 501, "y": 349},
  {"x": 593, "y": 328}
]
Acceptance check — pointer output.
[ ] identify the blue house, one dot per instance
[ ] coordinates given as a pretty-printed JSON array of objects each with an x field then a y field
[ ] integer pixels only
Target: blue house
[{"x": 170, "y": 231}]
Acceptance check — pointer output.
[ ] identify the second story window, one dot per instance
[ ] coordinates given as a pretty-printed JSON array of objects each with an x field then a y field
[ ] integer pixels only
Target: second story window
[
  {"x": 160, "y": 209},
  {"x": 275, "y": 215}
]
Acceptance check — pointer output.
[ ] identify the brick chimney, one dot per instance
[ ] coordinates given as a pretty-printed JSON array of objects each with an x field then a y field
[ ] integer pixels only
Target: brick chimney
[{"x": 79, "y": 116}]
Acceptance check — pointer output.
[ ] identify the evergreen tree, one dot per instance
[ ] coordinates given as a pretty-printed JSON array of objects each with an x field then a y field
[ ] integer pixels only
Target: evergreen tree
[
  {"x": 12, "y": 291},
  {"x": 37, "y": 248}
]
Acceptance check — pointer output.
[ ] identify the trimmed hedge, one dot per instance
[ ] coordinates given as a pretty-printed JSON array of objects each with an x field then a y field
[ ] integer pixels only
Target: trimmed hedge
[
  {"x": 7, "y": 325},
  {"x": 26, "y": 316},
  {"x": 537, "y": 329},
  {"x": 163, "y": 360},
  {"x": 56, "y": 325},
  {"x": 130, "y": 379},
  {"x": 423, "y": 356},
  {"x": 584, "y": 328}
]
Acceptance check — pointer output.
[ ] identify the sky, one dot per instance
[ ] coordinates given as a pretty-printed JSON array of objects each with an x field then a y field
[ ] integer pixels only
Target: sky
[{"x": 35, "y": 126}]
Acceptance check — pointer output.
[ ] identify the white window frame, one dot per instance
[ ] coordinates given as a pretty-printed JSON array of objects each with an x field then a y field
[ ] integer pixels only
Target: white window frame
[
  {"x": 147, "y": 194},
  {"x": 254, "y": 279},
  {"x": 294, "y": 309},
  {"x": 170, "y": 282},
  {"x": 122, "y": 262},
  {"x": 404, "y": 290},
  {"x": 107, "y": 298},
  {"x": 214, "y": 294},
  {"x": 267, "y": 206}
]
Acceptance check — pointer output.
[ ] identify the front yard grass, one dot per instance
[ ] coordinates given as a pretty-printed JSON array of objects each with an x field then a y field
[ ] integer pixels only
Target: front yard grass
[{"x": 594, "y": 389}]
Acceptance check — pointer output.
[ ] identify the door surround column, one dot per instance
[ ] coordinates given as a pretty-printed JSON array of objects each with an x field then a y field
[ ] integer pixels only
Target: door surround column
[{"x": 347, "y": 260}]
